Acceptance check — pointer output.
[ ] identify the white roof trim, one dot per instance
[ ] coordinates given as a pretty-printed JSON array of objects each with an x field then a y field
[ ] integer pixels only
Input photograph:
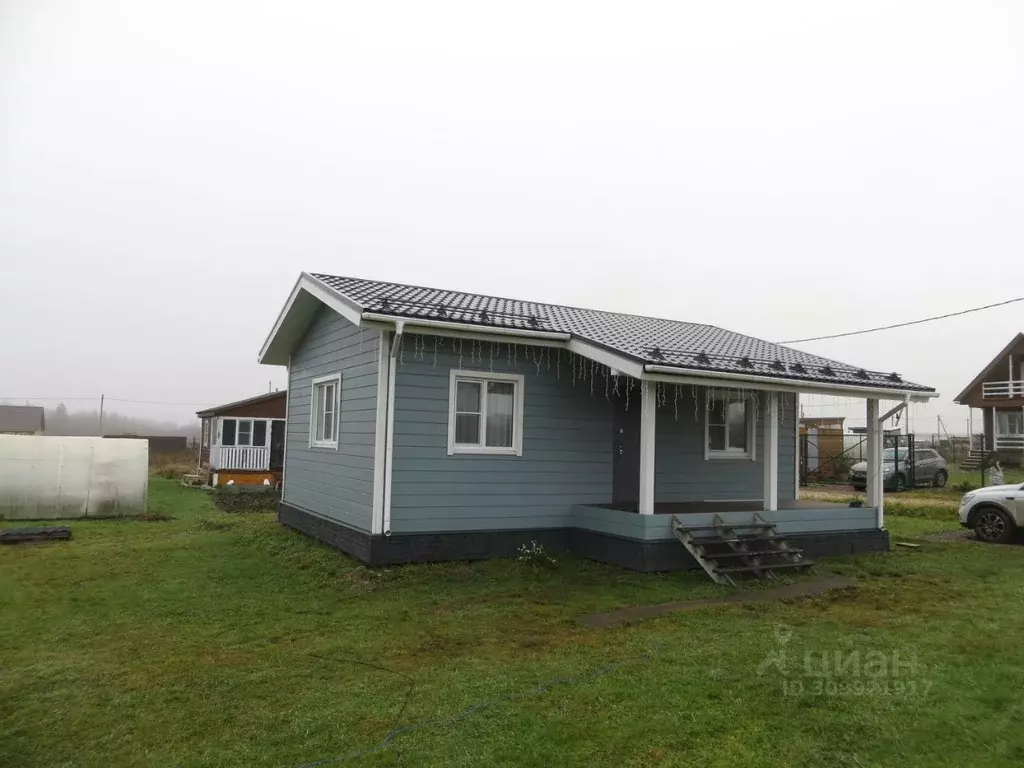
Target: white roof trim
[
  {"x": 327, "y": 296},
  {"x": 684, "y": 376}
]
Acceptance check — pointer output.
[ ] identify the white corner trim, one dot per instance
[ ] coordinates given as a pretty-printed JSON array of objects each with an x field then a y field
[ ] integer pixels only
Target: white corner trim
[
  {"x": 389, "y": 453},
  {"x": 648, "y": 425},
  {"x": 380, "y": 439},
  {"x": 313, "y": 442},
  {"x": 770, "y": 494},
  {"x": 751, "y": 453},
  {"x": 287, "y": 406},
  {"x": 306, "y": 282},
  {"x": 465, "y": 374},
  {"x": 796, "y": 447}
]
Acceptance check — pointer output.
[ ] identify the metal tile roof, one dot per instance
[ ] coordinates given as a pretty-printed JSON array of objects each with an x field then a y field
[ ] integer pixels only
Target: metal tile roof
[{"x": 690, "y": 346}]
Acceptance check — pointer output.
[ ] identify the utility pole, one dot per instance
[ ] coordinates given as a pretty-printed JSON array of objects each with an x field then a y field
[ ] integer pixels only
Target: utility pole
[{"x": 102, "y": 397}]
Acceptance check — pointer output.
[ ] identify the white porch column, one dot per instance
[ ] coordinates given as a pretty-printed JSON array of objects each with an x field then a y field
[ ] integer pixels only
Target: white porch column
[
  {"x": 648, "y": 418},
  {"x": 874, "y": 460},
  {"x": 770, "y": 495}
]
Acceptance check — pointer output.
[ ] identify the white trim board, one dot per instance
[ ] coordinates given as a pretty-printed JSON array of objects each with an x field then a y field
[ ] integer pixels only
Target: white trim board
[
  {"x": 710, "y": 379},
  {"x": 294, "y": 317},
  {"x": 389, "y": 453},
  {"x": 380, "y": 439}
]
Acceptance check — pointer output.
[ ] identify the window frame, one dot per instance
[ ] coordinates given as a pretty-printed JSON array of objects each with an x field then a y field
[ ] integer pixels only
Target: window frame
[
  {"x": 749, "y": 400},
  {"x": 320, "y": 381},
  {"x": 482, "y": 378},
  {"x": 1010, "y": 415},
  {"x": 237, "y": 421}
]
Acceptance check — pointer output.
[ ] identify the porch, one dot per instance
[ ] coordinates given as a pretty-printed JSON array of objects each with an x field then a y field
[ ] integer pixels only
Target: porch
[
  {"x": 738, "y": 454},
  {"x": 1007, "y": 429},
  {"x": 246, "y": 445},
  {"x": 792, "y": 517},
  {"x": 240, "y": 457}
]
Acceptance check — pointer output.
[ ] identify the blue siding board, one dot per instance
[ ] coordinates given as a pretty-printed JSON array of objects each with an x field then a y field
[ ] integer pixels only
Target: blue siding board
[
  {"x": 337, "y": 484},
  {"x": 566, "y": 443},
  {"x": 567, "y": 451},
  {"x": 683, "y": 474}
]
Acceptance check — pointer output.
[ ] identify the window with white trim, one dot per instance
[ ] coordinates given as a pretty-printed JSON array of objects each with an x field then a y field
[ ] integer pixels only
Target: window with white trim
[
  {"x": 1010, "y": 422},
  {"x": 729, "y": 425},
  {"x": 243, "y": 432},
  {"x": 485, "y": 413},
  {"x": 323, "y": 426}
]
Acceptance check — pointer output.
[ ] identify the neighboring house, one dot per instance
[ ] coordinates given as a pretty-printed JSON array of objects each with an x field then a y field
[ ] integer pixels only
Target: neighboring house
[
  {"x": 429, "y": 424},
  {"x": 243, "y": 441},
  {"x": 21, "y": 420},
  {"x": 998, "y": 390},
  {"x": 159, "y": 444}
]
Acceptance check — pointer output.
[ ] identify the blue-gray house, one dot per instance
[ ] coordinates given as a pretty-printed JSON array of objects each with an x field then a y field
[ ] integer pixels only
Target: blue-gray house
[{"x": 429, "y": 424}]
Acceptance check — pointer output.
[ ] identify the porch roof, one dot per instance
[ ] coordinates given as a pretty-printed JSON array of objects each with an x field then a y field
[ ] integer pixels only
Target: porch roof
[
  {"x": 257, "y": 400},
  {"x": 685, "y": 347}
]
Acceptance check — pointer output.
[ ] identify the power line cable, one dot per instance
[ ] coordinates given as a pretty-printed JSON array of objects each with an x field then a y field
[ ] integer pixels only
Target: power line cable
[{"x": 904, "y": 325}]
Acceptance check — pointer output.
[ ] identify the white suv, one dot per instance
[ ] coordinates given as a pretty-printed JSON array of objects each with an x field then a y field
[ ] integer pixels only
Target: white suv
[{"x": 994, "y": 513}]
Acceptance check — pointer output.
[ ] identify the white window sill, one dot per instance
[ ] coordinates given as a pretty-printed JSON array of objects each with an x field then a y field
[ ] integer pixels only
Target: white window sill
[
  {"x": 727, "y": 456},
  {"x": 328, "y": 446},
  {"x": 483, "y": 450}
]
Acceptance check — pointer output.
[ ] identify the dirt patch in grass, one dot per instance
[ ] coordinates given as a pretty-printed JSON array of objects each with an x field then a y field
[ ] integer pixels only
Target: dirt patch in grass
[{"x": 237, "y": 500}]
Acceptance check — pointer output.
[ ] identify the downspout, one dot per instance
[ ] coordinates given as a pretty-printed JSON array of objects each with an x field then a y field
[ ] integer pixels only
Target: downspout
[{"x": 399, "y": 330}]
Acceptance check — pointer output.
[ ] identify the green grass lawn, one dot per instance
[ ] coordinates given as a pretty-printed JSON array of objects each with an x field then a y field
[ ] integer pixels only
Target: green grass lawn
[{"x": 225, "y": 640}]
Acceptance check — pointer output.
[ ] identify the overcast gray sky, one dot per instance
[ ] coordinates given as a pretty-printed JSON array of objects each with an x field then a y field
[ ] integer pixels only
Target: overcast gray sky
[{"x": 783, "y": 169}]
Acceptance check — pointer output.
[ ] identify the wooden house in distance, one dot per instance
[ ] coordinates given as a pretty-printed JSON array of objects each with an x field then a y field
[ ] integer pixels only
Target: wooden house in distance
[
  {"x": 998, "y": 391},
  {"x": 243, "y": 441}
]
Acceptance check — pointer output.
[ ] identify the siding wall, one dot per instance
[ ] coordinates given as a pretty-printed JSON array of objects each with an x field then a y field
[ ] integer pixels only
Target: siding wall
[
  {"x": 682, "y": 473},
  {"x": 337, "y": 484},
  {"x": 567, "y": 457},
  {"x": 567, "y": 448}
]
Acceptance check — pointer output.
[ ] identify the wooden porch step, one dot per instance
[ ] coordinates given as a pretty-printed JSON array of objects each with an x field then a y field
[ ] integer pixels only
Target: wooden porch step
[
  {"x": 735, "y": 540},
  {"x": 767, "y": 545},
  {"x": 692, "y": 528},
  {"x": 753, "y": 553},
  {"x": 765, "y": 567}
]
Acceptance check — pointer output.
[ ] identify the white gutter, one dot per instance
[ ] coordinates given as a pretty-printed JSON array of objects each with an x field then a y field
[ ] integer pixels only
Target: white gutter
[
  {"x": 415, "y": 322},
  {"x": 784, "y": 385}
]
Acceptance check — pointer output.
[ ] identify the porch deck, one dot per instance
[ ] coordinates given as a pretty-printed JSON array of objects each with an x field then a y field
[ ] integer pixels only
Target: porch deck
[
  {"x": 712, "y": 507},
  {"x": 794, "y": 516}
]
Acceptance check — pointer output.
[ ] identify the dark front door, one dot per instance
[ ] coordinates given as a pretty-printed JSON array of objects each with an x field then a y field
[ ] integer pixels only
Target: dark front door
[
  {"x": 277, "y": 445},
  {"x": 626, "y": 448}
]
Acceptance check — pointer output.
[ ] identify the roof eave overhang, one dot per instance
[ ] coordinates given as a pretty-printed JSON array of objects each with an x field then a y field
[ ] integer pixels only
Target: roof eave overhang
[
  {"x": 309, "y": 294},
  {"x": 306, "y": 297},
  {"x": 718, "y": 378}
]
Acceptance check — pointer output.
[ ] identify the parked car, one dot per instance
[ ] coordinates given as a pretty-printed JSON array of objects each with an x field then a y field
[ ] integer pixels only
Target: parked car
[
  {"x": 994, "y": 513},
  {"x": 929, "y": 469}
]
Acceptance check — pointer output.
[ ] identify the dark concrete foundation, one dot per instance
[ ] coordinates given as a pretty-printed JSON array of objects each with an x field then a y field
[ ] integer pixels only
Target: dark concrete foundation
[{"x": 635, "y": 554}]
